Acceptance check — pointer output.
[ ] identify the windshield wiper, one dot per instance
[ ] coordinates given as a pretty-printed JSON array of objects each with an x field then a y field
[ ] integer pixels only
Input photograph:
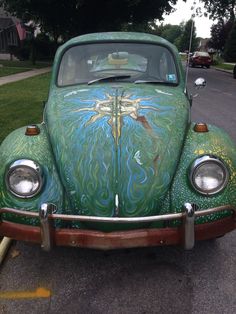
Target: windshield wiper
[
  {"x": 109, "y": 78},
  {"x": 151, "y": 82}
]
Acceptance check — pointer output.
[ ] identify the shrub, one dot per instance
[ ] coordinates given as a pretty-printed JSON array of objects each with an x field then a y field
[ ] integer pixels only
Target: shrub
[
  {"x": 39, "y": 48},
  {"x": 21, "y": 52},
  {"x": 230, "y": 47},
  {"x": 44, "y": 47}
]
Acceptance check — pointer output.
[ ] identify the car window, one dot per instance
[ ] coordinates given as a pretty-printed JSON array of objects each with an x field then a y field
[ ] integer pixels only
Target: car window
[
  {"x": 83, "y": 63},
  {"x": 202, "y": 54}
]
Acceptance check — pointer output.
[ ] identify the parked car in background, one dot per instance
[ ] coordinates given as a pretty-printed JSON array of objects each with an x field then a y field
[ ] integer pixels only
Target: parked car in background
[
  {"x": 200, "y": 58},
  {"x": 116, "y": 162}
]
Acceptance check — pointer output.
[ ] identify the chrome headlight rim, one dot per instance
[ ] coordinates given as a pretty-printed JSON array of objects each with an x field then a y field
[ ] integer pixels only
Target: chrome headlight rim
[
  {"x": 33, "y": 166},
  {"x": 204, "y": 160}
]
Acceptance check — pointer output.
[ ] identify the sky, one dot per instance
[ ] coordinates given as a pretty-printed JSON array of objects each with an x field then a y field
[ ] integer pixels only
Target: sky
[{"x": 183, "y": 13}]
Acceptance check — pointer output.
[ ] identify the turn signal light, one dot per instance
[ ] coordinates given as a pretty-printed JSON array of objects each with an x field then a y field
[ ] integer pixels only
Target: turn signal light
[
  {"x": 32, "y": 130},
  {"x": 200, "y": 127}
]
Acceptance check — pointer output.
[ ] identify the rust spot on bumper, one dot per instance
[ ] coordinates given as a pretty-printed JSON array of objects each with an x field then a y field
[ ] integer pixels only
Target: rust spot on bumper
[{"x": 117, "y": 239}]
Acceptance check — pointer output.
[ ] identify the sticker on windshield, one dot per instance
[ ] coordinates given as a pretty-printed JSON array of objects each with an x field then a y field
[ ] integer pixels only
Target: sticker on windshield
[{"x": 171, "y": 77}]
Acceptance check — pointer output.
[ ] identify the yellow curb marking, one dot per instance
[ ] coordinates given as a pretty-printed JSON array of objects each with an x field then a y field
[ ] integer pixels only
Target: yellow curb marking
[{"x": 38, "y": 293}]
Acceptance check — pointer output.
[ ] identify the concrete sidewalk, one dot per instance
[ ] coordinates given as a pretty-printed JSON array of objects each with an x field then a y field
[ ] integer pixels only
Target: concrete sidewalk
[{"x": 23, "y": 75}]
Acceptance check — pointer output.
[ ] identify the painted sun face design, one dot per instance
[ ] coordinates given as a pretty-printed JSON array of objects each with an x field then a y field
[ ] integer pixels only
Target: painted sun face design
[{"x": 116, "y": 108}]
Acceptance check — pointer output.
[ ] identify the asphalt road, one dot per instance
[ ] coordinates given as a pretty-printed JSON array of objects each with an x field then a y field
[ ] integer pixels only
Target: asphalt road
[
  {"x": 152, "y": 280},
  {"x": 216, "y": 104}
]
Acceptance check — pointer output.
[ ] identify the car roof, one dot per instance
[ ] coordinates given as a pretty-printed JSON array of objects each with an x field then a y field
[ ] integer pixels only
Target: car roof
[{"x": 119, "y": 36}]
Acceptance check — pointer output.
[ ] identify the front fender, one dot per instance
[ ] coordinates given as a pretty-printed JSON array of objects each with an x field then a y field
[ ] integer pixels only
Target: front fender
[
  {"x": 17, "y": 145},
  {"x": 215, "y": 142}
]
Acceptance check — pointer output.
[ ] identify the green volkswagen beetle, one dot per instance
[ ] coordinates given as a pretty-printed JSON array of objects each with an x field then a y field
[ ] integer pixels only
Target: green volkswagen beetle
[{"x": 116, "y": 162}]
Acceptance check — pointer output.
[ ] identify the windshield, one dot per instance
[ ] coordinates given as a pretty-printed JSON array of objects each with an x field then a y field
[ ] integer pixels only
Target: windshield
[
  {"x": 128, "y": 62},
  {"x": 202, "y": 54}
]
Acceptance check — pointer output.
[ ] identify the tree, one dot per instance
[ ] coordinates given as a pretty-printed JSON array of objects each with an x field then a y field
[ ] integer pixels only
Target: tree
[
  {"x": 223, "y": 10},
  {"x": 230, "y": 46},
  {"x": 171, "y": 32},
  {"x": 168, "y": 31},
  {"x": 219, "y": 9},
  {"x": 69, "y": 18},
  {"x": 219, "y": 34},
  {"x": 184, "y": 40}
]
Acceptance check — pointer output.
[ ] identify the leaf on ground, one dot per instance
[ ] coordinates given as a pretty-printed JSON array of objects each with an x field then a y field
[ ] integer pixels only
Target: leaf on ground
[{"x": 15, "y": 253}]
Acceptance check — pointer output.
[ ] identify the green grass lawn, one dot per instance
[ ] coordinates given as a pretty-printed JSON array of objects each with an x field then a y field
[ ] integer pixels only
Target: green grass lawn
[
  {"x": 4, "y": 71},
  {"x": 21, "y": 103},
  {"x": 25, "y": 64},
  {"x": 13, "y": 67},
  {"x": 225, "y": 66}
]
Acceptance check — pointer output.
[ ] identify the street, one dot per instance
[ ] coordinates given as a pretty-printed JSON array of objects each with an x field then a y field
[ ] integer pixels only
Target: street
[
  {"x": 151, "y": 280},
  {"x": 216, "y": 103}
]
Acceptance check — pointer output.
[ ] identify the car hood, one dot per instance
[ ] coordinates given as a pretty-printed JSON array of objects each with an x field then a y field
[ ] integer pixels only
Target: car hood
[{"x": 117, "y": 147}]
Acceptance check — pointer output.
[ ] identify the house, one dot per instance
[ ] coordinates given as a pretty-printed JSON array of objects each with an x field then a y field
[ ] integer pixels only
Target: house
[
  {"x": 12, "y": 32},
  {"x": 203, "y": 44}
]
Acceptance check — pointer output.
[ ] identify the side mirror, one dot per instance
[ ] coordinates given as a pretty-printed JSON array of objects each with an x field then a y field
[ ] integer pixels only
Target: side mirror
[{"x": 200, "y": 83}]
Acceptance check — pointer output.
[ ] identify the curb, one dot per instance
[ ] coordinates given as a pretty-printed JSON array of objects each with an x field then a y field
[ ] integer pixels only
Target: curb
[{"x": 4, "y": 246}]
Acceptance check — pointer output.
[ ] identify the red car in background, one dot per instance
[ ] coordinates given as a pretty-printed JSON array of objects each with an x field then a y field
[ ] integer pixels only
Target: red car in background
[{"x": 200, "y": 58}]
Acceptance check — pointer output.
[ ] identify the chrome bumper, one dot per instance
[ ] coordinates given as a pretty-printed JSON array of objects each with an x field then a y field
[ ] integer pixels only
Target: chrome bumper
[{"x": 47, "y": 214}]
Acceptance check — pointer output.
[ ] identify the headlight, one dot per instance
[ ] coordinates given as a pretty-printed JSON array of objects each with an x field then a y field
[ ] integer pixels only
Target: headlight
[
  {"x": 24, "y": 178},
  {"x": 208, "y": 175}
]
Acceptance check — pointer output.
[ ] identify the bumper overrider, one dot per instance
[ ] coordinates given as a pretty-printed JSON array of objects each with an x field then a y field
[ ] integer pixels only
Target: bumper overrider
[{"x": 186, "y": 234}]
